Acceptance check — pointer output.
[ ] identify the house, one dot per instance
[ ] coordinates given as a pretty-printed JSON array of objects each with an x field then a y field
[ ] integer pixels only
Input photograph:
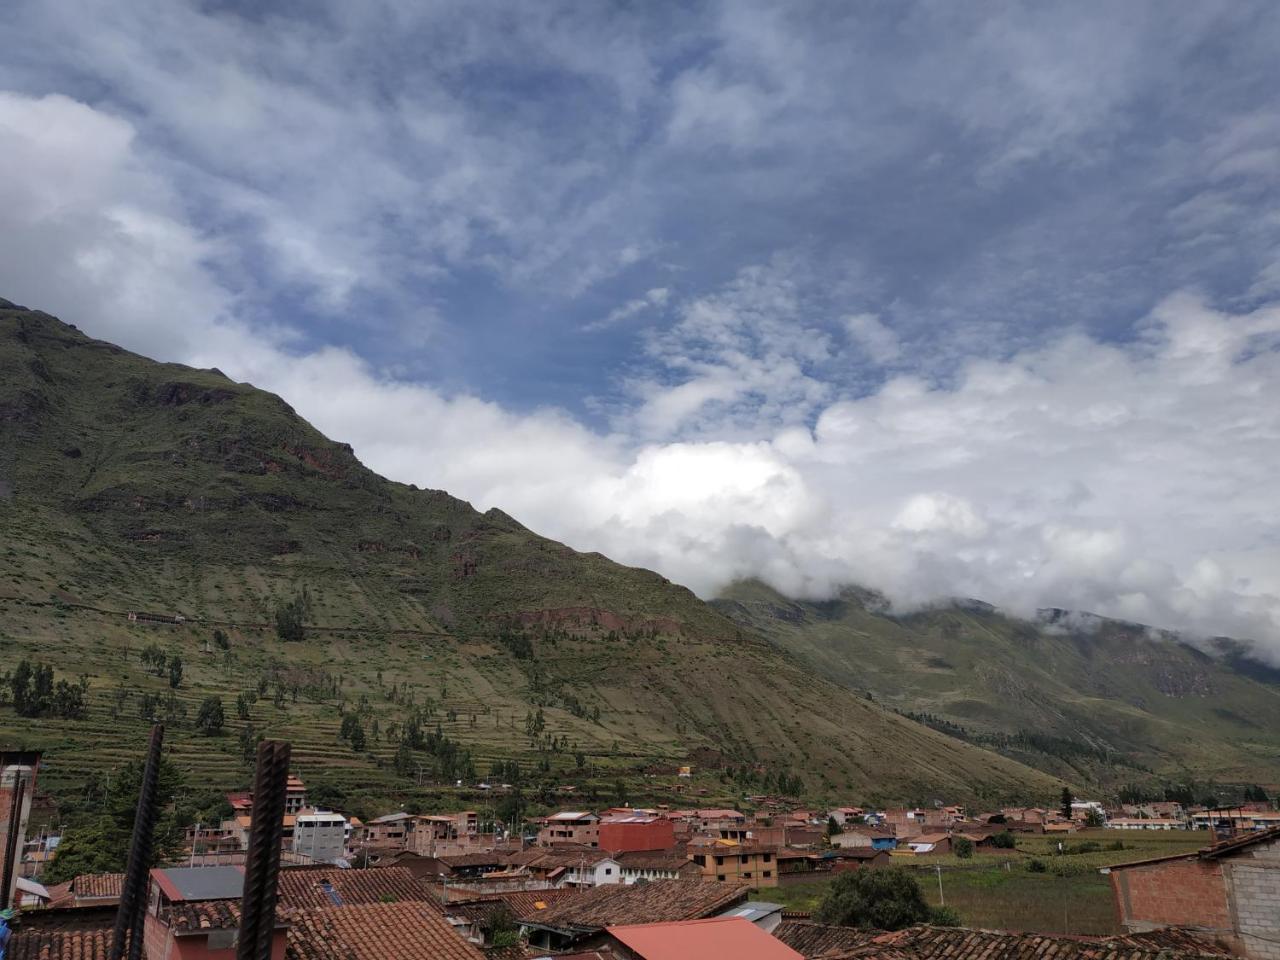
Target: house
[
  {"x": 726, "y": 861},
  {"x": 930, "y": 843},
  {"x": 581, "y": 867},
  {"x": 295, "y": 794},
  {"x": 845, "y": 815},
  {"x": 715, "y": 937},
  {"x": 570, "y": 826},
  {"x": 858, "y": 858},
  {"x": 764, "y": 915},
  {"x": 624, "y": 833},
  {"x": 580, "y": 921},
  {"x": 391, "y": 830},
  {"x": 864, "y": 837},
  {"x": 195, "y": 912},
  {"x": 1230, "y": 890},
  {"x": 97, "y": 889},
  {"x": 320, "y": 836},
  {"x": 474, "y": 918},
  {"x": 656, "y": 865},
  {"x": 1144, "y": 823}
]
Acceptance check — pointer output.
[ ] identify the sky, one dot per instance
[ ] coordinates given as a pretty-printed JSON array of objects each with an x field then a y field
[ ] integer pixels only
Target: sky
[{"x": 946, "y": 300}]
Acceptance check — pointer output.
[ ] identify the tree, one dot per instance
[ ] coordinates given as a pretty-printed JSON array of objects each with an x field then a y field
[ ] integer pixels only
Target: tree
[
  {"x": 249, "y": 741},
  {"x": 209, "y": 719},
  {"x": 98, "y": 842},
  {"x": 1064, "y": 805},
  {"x": 1093, "y": 818},
  {"x": 962, "y": 847},
  {"x": 175, "y": 671},
  {"x": 221, "y": 640},
  {"x": 291, "y": 617},
  {"x": 242, "y": 706},
  {"x": 886, "y": 899},
  {"x": 357, "y": 738}
]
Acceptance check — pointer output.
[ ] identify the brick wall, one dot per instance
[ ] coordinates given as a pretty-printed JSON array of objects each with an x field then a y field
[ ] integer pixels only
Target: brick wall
[
  {"x": 1253, "y": 883},
  {"x": 1176, "y": 892}
]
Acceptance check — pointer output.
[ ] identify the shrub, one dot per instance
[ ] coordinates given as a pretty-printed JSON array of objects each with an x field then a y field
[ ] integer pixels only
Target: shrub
[
  {"x": 962, "y": 847},
  {"x": 1036, "y": 866},
  {"x": 887, "y": 899},
  {"x": 1004, "y": 840}
]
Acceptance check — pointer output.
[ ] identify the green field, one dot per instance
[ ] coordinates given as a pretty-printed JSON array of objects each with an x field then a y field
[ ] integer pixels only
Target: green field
[{"x": 996, "y": 891}]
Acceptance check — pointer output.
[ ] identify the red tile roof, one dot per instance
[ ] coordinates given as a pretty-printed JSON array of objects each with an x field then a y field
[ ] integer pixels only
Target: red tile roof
[
  {"x": 98, "y": 885},
  {"x": 192, "y": 916},
  {"x": 658, "y": 901},
  {"x": 306, "y": 888},
  {"x": 699, "y": 939},
  {"x": 35, "y": 943},
  {"x": 818, "y": 942},
  {"x": 376, "y": 931}
]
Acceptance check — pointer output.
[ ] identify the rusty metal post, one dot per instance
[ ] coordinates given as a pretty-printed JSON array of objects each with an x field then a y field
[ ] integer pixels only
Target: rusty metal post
[
  {"x": 12, "y": 855},
  {"x": 133, "y": 893},
  {"x": 262, "y": 862}
]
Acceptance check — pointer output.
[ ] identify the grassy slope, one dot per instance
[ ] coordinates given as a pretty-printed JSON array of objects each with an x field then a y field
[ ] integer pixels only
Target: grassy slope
[
  {"x": 1156, "y": 704},
  {"x": 127, "y": 484}
]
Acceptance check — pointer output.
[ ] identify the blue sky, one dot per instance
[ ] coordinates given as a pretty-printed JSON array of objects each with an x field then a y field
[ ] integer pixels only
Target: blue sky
[{"x": 661, "y": 251}]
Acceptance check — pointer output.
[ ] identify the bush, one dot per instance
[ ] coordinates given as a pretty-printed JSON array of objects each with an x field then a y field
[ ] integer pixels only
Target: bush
[
  {"x": 962, "y": 847},
  {"x": 1036, "y": 866},
  {"x": 1004, "y": 840},
  {"x": 944, "y": 917},
  {"x": 887, "y": 899},
  {"x": 210, "y": 719}
]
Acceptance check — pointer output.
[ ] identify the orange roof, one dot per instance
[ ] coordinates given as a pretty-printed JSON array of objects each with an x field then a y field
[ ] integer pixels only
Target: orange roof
[{"x": 697, "y": 939}]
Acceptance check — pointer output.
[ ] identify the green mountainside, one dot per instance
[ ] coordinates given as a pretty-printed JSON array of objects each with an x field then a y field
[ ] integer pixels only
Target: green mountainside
[
  {"x": 1086, "y": 698},
  {"x": 130, "y": 486}
]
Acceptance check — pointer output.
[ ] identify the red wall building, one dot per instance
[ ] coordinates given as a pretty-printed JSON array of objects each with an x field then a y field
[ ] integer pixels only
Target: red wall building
[{"x": 628, "y": 834}]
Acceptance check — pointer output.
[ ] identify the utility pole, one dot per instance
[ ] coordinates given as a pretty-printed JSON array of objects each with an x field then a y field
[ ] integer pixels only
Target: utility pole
[{"x": 941, "y": 896}]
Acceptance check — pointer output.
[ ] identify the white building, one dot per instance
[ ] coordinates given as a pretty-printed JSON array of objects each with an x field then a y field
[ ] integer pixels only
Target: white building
[{"x": 321, "y": 835}]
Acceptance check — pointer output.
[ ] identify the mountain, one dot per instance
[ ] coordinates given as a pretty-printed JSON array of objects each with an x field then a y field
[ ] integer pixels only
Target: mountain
[
  {"x": 134, "y": 487},
  {"x": 1084, "y": 697}
]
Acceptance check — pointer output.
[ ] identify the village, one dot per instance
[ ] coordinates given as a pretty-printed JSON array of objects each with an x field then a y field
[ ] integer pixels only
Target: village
[{"x": 627, "y": 882}]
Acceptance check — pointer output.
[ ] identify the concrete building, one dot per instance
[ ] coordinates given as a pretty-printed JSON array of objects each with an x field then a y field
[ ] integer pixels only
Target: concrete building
[
  {"x": 1230, "y": 891},
  {"x": 570, "y": 826},
  {"x": 730, "y": 861},
  {"x": 320, "y": 835}
]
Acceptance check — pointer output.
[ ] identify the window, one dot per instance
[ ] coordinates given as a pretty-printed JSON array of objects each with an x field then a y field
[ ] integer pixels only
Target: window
[
  {"x": 700, "y": 859},
  {"x": 746, "y": 876},
  {"x": 768, "y": 858},
  {"x": 608, "y": 871},
  {"x": 743, "y": 858},
  {"x": 720, "y": 876},
  {"x": 767, "y": 874},
  {"x": 719, "y": 861}
]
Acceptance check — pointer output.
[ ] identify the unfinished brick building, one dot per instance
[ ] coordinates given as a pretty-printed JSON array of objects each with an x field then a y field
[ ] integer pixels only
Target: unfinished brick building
[{"x": 1229, "y": 891}]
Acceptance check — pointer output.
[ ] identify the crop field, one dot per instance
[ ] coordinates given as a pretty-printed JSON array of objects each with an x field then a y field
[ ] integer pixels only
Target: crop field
[{"x": 999, "y": 892}]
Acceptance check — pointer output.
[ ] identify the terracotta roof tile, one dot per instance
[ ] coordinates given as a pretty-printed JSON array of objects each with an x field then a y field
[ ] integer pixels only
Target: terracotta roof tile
[
  {"x": 98, "y": 885},
  {"x": 193, "y": 915},
  {"x": 35, "y": 943},
  {"x": 376, "y": 931},
  {"x": 335, "y": 887},
  {"x": 655, "y": 902},
  {"x": 818, "y": 942}
]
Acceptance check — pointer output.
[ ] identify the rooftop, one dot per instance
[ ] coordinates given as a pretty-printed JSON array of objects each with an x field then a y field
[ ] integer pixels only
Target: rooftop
[
  {"x": 200, "y": 883},
  {"x": 659, "y": 901},
  {"x": 332, "y": 887},
  {"x": 98, "y": 885},
  {"x": 376, "y": 931},
  {"x": 699, "y": 939}
]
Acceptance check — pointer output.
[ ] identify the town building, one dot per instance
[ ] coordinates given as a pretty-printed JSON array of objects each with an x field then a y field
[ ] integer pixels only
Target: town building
[
  {"x": 732, "y": 862},
  {"x": 632, "y": 832},
  {"x": 321, "y": 836},
  {"x": 1230, "y": 890},
  {"x": 570, "y": 826}
]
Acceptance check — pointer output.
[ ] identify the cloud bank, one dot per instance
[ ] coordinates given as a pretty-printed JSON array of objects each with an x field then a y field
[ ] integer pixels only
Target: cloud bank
[{"x": 1076, "y": 405}]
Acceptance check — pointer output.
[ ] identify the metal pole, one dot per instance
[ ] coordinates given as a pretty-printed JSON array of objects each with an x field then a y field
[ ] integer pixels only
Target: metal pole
[
  {"x": 133, "y": 892},
  {"x": 12, "y": 854},
  {"x": 262, "y": 863},
  {"x": 941, "y": 896}
]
